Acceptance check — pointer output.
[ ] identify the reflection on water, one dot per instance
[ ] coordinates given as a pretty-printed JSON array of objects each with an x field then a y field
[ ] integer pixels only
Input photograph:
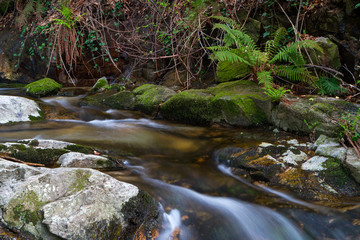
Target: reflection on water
[{"x": 173, "y": 162}]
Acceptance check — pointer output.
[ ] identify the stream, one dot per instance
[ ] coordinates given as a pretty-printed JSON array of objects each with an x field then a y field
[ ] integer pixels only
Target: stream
[{"x": 177, "y": 165}]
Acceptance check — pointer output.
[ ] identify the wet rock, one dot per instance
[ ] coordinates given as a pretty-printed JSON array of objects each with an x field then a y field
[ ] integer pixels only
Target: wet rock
[
  {"x": 329, "y": 147},
  {"x": 123, "y": 100},
  {"x": 80, "y": 160},
  {"x": 149, "y": 97},
  {"x": 46, "y": 143},
  {"x": 239, "y": 103},
  {"x": 330, "y": 57},
  {"x": 292, "y": 112},
  {"x": 259, "y": 165},
  {"x": 45, "y": 152},
  {"x": 18, "y": 109},
  {"x": 314, "y": 164},
  {"x": 71, "y": 203},
  {"x": 352, "y": 163},
  {"x": 293, "y": 157},
  {"x": 100, "y": 84},
  {"x": 43, "y": 87}
]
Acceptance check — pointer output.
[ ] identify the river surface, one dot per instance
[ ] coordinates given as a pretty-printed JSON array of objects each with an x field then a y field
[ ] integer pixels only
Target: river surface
[{"x": 176, "y": 164}]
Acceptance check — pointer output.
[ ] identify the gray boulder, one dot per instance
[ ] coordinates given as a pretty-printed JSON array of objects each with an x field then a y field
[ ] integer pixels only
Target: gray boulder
[
  {"x": 18, "y": 109},
  {"x": 329, "y": 147},
  {"x": 352, "y": 162},
  {"x": 71, "y": 203},
  {"x": 80, "y": 160}
]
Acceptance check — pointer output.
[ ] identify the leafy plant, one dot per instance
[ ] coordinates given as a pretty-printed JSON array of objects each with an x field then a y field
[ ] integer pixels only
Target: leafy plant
[
  {"x": 69, "y": 19},
  {"x": 276, "y": 60},
  {"x": 351, "y": 129},
  {"x": 329, "y": 86},
  {"x": 275, "y": 94}
]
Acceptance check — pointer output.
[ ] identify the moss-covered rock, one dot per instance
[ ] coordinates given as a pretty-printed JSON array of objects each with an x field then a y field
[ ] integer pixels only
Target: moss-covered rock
[
  {"x": 191, "y": 106},
  {"x": 330, "y": 57},
  {"x": 100, "y": 83},
  {"x": 70, "y": 203},
  {"x": 43, "y": 87},
  {"x": 297, "y": 114},
  {"x": 121, "y": 100},
  {"x": 227, "y": 71},
  {"x": 149, "y": 97},
  {"x": 239, "y": 103}
]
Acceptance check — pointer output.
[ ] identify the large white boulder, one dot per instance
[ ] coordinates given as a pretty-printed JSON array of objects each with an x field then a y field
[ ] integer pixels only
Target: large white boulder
[{"x": 18, "y": 109}]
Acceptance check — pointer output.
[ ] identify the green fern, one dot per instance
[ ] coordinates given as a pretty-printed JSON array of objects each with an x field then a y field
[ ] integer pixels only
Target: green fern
[
  {"x": 329, "y": 86},
  {"x": 276, "y": 60},
  {"x": 275, "y": 94}
]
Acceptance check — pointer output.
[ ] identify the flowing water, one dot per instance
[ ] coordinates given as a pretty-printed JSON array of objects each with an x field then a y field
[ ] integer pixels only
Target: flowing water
[{"x": 176, "y": 164}]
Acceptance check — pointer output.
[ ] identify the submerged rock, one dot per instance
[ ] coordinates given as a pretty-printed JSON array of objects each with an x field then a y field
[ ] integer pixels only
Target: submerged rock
[
  {"x": 18, "y": 109},
  {"x": 72, "y": 203},
  {"x": 311, "y": 177},
  {"x": 80, "y": 160},
  {"x": 43, "y": 87}
]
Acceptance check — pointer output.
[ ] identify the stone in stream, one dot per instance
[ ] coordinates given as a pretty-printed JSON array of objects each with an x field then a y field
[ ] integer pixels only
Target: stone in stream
[
  {"x": 43, "y": 87},
  {"x": 80, "y": 160},
  {"x": 72, "y": 203},
  {"x": 316, "y": 177},
  {"x": 18, "y": 109},
  {"x": 149, "y": 97},
  {"x": 45, "y": 151},
  {"x": 297, "y": 114},
  {"x": 239, "y": 103}
]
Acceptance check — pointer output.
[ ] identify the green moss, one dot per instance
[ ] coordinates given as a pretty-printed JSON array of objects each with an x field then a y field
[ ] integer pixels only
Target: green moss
[
  {"x": 24, "y": 209},
  {"x": 38, "y": 118},
  {"x": 80, "y": 181},
  {"x": 100, "y": 83},
  {"x": 3, "y": 147},
  {"x": 80, "y": 149},
  {"x": 227, "y": 71},
  {"x": 143, "y": 88},
  {"x": 121, "y": 100},
  {"x": 150, "y": 96},
  {"x": 191, "y": 106},
  {"x": 42, "y": 156},
  {"x": 32, "y": 142},
  {"x": 338, "y": 177},
  {"x": 140, "y": 210},
  {"x": 43, "y": 87}
]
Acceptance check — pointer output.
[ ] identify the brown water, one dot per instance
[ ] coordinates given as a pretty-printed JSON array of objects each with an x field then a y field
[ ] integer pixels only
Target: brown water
[{"x": 176, "y": 164}]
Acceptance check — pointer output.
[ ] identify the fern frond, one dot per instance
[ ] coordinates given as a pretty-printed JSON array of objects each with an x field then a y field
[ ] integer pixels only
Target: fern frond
[
  {"x": 279, "y": 35},
  {"x": 309, "y": 44},
  {"x": 229, "y": 56},
  {"x": 218, "y": 48},
  {"x": 329, "y": 86},
  {"x": 238, "y": 36},
  {"x": 226, "y": 20},
  {"x": 290, "y": 54},
  {"x": 293, "y": 73},
  {"x": 265, "y": 78}
]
